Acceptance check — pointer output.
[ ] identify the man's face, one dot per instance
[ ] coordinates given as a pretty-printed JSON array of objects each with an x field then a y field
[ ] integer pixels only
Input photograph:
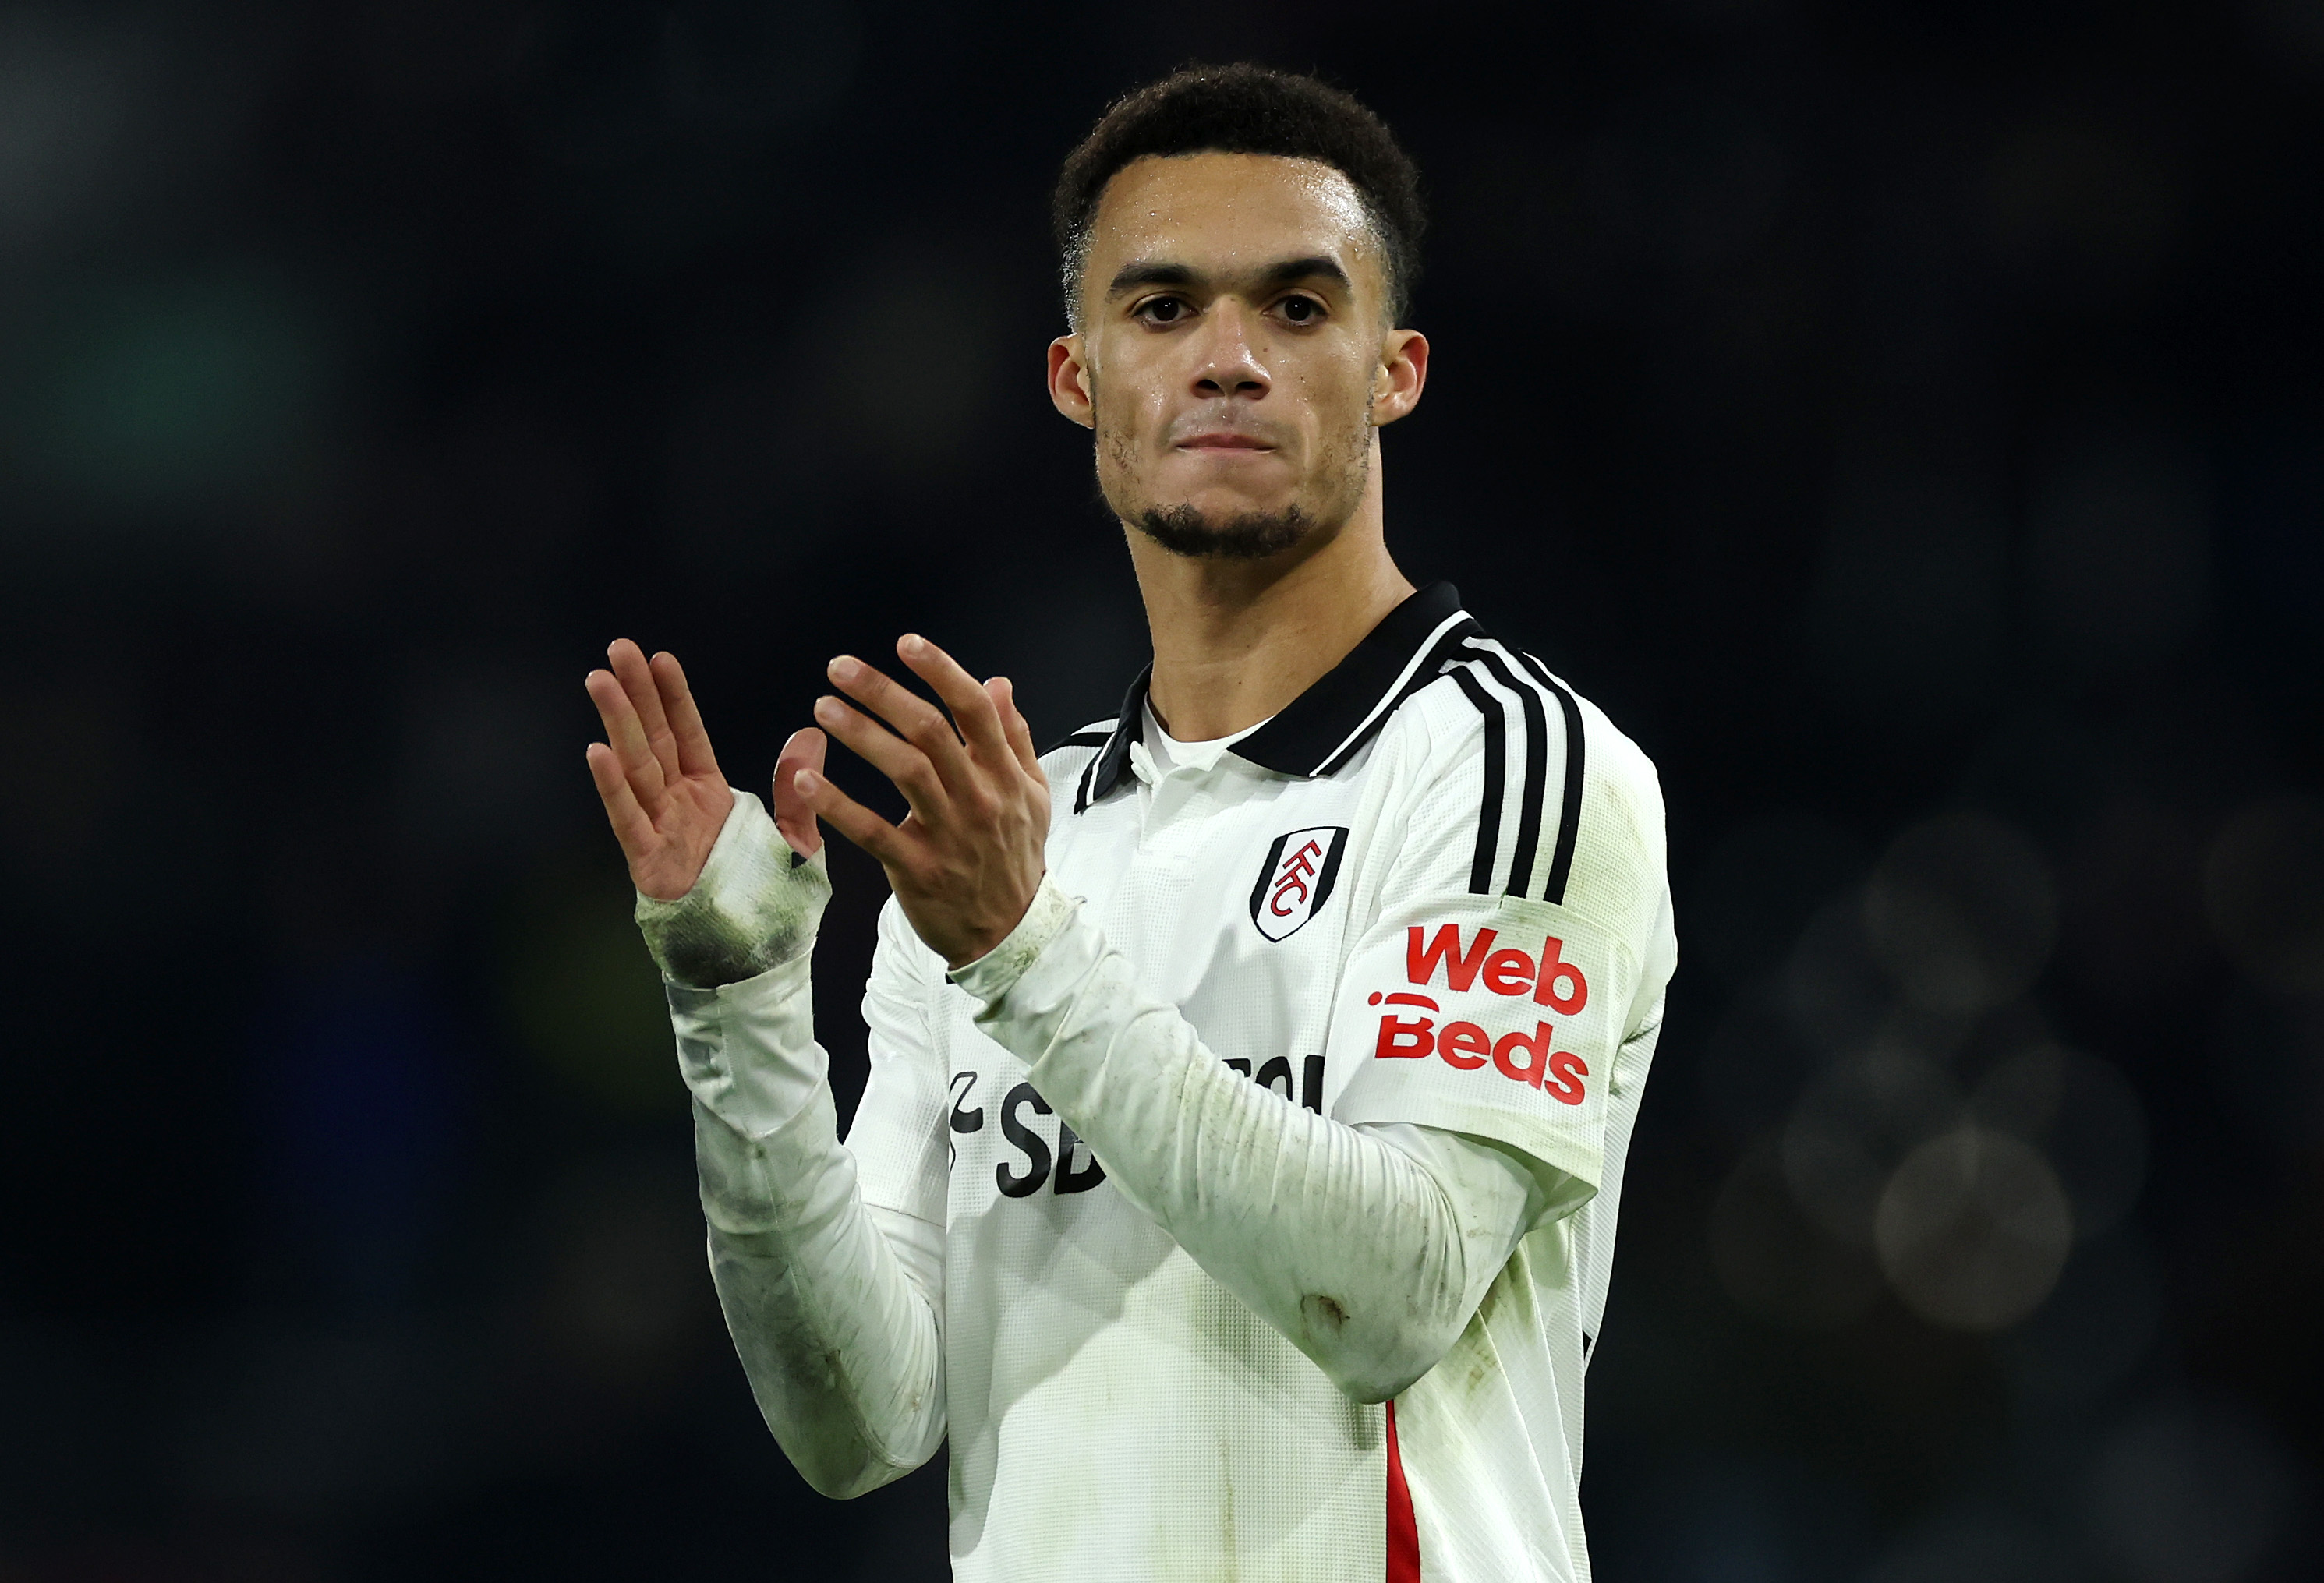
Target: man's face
[{"x": 1234, "y": 353}]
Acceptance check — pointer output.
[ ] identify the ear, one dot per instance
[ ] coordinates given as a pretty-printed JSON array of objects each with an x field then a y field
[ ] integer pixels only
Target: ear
[
  {"x": 1069, "y": 382},
  {"x": 1403, "y": 370}
]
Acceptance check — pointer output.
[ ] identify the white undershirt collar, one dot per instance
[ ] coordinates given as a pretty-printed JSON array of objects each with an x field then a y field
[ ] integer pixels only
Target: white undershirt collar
[{"x": 1159, "y": 752}]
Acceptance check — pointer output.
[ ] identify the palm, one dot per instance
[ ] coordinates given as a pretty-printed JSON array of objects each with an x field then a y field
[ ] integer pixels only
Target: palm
[{"x": 661, "y": 782}]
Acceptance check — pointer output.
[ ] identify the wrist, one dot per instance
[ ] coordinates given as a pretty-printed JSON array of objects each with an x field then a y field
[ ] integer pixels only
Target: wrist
[
  {"x": 993, "y": 974},
  {"x": 755, "y": 906}
]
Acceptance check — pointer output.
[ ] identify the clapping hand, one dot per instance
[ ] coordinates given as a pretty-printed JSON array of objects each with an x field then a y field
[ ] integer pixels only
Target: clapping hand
[
  {"x": 662, "y": 789},
  {"x": 967, "y": 859}
]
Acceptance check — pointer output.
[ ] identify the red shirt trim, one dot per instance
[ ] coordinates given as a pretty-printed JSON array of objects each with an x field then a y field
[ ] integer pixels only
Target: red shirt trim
[{"x": 1402, "y": 1529}]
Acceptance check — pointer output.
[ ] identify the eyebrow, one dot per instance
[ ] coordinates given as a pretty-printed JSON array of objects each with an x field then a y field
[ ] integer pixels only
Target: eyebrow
[{"x": 1283, "y": 272}]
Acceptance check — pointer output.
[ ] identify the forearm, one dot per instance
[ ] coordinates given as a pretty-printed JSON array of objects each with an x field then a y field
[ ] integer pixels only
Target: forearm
[
  {"x": 1369, "y": 1248},
  {"x": 834, "y": 1313},
  {"x": 833, "y": 1307}
]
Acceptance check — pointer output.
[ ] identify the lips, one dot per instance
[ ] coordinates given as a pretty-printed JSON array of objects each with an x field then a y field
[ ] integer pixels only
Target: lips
[{"x": 1223, "y": 442}]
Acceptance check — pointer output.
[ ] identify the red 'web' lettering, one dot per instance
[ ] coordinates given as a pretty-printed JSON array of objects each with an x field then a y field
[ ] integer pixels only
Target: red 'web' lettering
[{"x": 1420, "y": 960}]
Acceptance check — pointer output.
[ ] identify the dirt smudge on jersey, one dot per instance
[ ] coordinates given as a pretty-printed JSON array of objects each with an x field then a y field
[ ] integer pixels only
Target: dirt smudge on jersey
[{"x": 1317, "y": 1307}]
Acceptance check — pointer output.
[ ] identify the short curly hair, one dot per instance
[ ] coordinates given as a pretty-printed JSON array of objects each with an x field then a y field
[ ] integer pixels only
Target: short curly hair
[{"x": 1245, "y": 109}]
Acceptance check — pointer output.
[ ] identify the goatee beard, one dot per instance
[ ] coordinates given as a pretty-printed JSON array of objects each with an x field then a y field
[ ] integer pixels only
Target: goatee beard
[{"x": 1250, "y": 536}]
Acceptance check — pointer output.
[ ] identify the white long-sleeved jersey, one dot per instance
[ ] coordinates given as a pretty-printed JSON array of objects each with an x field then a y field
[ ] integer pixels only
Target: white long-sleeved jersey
[{"x": 1306, "y": 1084}]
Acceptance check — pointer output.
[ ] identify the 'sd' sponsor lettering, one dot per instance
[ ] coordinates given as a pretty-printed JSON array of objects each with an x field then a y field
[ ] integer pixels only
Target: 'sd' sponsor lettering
[{"x": 1028, "y": 1162}]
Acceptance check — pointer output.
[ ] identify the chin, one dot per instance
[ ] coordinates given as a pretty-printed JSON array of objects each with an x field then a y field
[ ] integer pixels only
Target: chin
[
  {"x": 1223, "y": 506},
  {"x": 1200, "y": 530}
]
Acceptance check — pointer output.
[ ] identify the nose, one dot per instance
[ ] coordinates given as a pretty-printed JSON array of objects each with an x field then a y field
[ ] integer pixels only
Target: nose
[{"x": 1228, "y": 364}]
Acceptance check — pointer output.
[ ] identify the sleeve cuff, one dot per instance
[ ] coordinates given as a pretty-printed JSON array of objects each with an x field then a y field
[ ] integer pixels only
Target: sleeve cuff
[
  {"x": 755, "y": 906},
  {"x": 992, "y": 975}
]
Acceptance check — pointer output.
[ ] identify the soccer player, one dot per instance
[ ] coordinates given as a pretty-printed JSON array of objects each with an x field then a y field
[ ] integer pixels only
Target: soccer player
[{"x": 1234, "y": 1186}]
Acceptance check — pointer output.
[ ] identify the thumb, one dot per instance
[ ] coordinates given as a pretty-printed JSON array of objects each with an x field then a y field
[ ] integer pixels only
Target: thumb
[{"x": 794, "y": 815}]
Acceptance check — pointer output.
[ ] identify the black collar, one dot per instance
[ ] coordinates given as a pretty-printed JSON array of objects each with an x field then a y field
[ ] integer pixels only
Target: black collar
[{"x": 1321, "y": 729}]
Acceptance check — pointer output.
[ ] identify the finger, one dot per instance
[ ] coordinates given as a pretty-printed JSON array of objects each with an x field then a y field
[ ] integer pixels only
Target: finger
[
  {"x": 636, "y": 677},
  {"x": 917, "y": 721},
  {"x": 900, "y": 760},
  {"x": 967, "y": 701},
  {"x": 627, "y": 738},
  {"x": 686, "y": 735},
  {"x": 851, "y": 818},
  {"x": 1013, "y": 724},
  {"x": 631, "y": 828},
  {"x": 794, "y": 815}
]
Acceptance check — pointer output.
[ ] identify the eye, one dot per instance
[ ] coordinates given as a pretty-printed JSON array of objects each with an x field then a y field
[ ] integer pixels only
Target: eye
[
  {"x": 1302, "y": 310},
  {"x": 1162, "y": 311}
]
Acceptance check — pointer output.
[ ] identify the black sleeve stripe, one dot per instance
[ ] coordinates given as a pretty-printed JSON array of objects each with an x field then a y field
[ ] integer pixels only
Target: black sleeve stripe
[
  {"x": 1569, "y": 811},
  {"x": 1536, "y": 771},
  {"x": 1082, "y": 739},
  {"x": 1489, "y": 817}
]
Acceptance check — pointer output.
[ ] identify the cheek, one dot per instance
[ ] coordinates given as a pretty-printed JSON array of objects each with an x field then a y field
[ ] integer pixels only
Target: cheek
[
  {"x": 1344, "y": 394},
  {"x": 1130, "y": 429},
  {"x": 1122, "y": 397},
  {"x": 1115, "y": 422},
  {"x": 1115, "y": 426}
]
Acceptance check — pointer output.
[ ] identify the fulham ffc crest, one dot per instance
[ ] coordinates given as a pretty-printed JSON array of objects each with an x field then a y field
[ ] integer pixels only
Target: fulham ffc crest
[{"x": 1295, "y": 880}]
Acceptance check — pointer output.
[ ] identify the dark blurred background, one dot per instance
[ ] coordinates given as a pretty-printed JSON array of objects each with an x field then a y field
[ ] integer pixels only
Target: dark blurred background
[{"x": 1902, "y": 419}]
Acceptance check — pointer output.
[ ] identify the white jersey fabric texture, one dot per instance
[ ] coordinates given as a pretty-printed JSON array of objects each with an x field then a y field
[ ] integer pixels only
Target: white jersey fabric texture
[{"x": 1428, "y": 898}]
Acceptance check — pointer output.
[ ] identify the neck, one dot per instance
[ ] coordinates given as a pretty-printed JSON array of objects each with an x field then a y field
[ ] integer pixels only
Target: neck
[{"x": 1234, "y": 641}]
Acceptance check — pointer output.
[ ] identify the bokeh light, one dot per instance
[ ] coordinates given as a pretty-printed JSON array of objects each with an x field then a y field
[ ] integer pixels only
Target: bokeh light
[
  {"x": 1780, "y": 1263},
  {"x": 1973, "y": 1229},
  {"x": 1962, "y": 913}
]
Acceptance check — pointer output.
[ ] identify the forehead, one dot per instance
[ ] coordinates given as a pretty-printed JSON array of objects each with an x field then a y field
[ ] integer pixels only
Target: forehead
[{"x": 1220, "y": 210}]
